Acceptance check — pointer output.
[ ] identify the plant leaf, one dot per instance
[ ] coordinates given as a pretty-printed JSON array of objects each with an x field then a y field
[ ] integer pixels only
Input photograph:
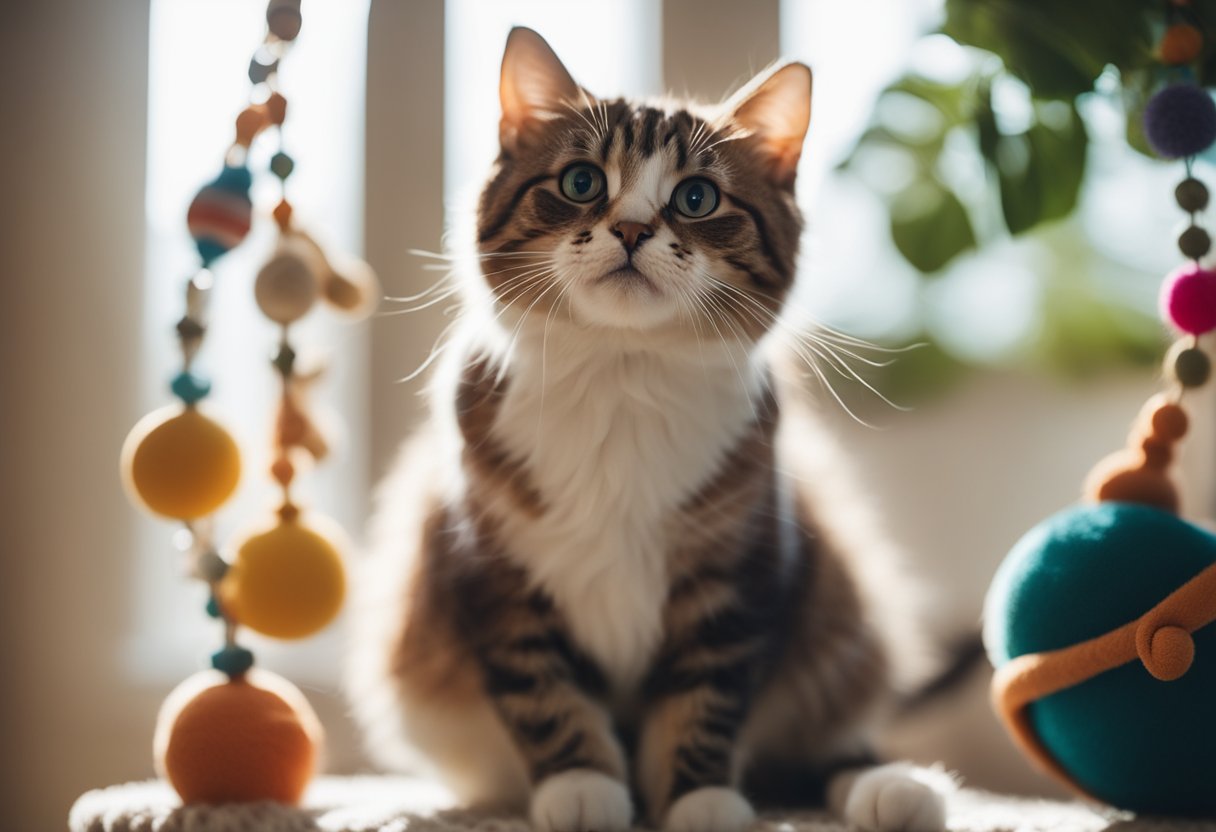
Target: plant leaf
[{"x": 929, "y": 225}]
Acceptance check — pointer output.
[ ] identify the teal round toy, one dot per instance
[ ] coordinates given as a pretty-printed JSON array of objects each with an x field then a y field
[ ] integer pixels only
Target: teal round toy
[{"x": 1122, "y": 735}]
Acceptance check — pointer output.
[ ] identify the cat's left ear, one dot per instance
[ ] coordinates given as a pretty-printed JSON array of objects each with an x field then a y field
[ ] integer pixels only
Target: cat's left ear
[
  {"x": 533, "y": 86},
  {"x": 775, "y": 108}
]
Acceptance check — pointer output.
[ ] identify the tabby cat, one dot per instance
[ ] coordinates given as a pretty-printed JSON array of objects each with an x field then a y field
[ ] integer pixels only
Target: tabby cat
[{"x": 605, "y": 586}]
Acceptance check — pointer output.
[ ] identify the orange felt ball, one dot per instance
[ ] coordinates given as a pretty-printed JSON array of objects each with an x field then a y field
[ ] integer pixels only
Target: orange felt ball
[
  {"x": 251, "y": 738},
  {"x": 179, "y": 463}
]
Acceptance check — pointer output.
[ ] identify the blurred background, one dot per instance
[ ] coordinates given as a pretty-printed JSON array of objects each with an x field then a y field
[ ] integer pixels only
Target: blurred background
[{"x": 971, "y": 185}]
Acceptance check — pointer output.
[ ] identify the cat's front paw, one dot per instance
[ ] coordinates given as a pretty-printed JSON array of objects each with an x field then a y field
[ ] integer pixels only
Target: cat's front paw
[
  {"x": 893, "y": 798},
  {"x": 711, "y": 809},
  {"x": 581, "y": 800}
]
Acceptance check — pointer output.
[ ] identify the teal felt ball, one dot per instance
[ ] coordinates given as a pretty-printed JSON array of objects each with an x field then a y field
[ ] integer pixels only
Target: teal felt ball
[{"x": 1124, "y": 736}]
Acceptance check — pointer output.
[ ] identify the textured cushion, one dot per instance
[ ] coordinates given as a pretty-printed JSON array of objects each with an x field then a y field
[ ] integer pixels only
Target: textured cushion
[{"x": 389, "y": 804}]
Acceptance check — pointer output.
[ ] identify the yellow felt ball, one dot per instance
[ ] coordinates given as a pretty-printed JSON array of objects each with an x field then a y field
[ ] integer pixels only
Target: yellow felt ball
[
  {"x": 287, "y": 582},
  {"x": 251, "y": 738},
  {"x": 179, "y": 463}
]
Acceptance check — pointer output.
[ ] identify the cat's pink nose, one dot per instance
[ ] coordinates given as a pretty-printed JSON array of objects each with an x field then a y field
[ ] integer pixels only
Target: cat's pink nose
[{"x": 632, "y": 234}]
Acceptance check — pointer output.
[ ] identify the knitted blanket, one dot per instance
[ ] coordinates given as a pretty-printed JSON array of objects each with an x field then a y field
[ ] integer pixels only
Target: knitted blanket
[{"x": 390, "y": 804}]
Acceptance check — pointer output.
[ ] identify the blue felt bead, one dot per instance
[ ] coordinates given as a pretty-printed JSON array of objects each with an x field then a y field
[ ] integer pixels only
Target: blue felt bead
[
  {"x": 190, "y": 388},
  {"x": 213, "y": 607},
  {"x": 1180, "y": 120},
  {"x": 235, "y": 179},
  {"x": 232, "y": 660}
]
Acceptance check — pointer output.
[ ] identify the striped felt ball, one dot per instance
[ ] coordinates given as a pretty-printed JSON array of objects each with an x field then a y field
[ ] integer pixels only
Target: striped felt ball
[{"x": 221, "y": 212}]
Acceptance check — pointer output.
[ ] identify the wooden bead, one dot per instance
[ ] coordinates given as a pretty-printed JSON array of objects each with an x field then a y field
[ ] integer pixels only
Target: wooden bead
[
  {"x": 1158, "y": 453},
  {"x": 1120, "y": 478},
  {"x": 252, "y": 120},
  {"x": 276, "y": 108},
  {"x": 1168, "y": 422},
  {"x": 287, "y": 286},
  {"x": 282, "y": 214},
  {"x": 283, "y": 19},
  {"x": 291, "y": 429},
  {"x": 283, "y": 471},
  {"x": 351, "y": 287},
  {"x": 1180, "y": 44}
]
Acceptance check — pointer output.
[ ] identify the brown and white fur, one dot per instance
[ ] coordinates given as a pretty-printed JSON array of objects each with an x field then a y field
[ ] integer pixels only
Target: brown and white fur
[{"x": 602, "y": 574}]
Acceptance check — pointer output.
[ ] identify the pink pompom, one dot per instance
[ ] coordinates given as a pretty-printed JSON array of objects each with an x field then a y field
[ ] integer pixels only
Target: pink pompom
[{"x": 1188, "y": 299}]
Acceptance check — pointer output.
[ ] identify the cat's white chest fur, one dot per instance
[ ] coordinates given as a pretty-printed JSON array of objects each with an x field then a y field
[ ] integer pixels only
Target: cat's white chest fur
[{"x": 615, "y": 439}]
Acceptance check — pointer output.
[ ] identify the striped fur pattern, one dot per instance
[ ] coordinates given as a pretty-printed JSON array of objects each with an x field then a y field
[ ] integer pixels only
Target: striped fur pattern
[{"x": 600, "y": 588}]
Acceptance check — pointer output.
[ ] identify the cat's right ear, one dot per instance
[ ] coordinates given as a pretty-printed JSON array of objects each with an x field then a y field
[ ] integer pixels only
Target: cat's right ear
[{"x": 533, "y": 86}]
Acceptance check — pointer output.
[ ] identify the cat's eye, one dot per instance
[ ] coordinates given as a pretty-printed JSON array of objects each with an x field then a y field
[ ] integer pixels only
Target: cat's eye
[
  {"x": 582, "y": 182},
  {"x": 695, "y": 197}
]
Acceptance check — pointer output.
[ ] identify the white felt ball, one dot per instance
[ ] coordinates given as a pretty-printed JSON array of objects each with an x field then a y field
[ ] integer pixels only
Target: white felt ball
[{"x": 287, "y": 286}]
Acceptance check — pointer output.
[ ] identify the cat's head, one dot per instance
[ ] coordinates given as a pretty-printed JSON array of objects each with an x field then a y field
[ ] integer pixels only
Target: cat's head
[{"x": 642, "y": 216}]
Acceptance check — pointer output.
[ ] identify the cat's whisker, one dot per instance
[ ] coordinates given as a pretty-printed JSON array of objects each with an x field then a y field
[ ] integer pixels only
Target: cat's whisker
[
  {"x": 544, "y": 344},
  {"x": 826, "y": 382},
  {"x": 420, "y": 295},
  {"x": 807, "y": 349},
  {"x": 441, "y": 344},
  {"x": 682, "y": 295},
  {"x": 801, "y": 341},
  {"x": 845, "y": 370},
  {"x": 520, "y": 282},
  {"x": 552, "y": 279},
  {"x": 708, "y": 306},
  {"x": 392, "y": 313},
  {"x": 835, "y": 347},
  {"x": 596, "y": 133},
  {"x": 519, "y": 289},
  {"x": 547, "y": 263},
  {"x": 481, "y": 255}
]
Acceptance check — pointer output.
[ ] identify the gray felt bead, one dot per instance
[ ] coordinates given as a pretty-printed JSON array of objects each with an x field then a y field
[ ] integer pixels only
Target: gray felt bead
[
  {"x": 1194, "y": 242},
  {"x": 1192, "y": 195},
  {"x": 1190, "y": 366}
]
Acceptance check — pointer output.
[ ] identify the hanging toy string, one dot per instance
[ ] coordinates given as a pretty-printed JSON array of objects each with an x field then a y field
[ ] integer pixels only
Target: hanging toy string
[
  {"x": 241, "y": 734},
  {"x": 1179, "y": 123},
  {"x": 179, "y": 463}
]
